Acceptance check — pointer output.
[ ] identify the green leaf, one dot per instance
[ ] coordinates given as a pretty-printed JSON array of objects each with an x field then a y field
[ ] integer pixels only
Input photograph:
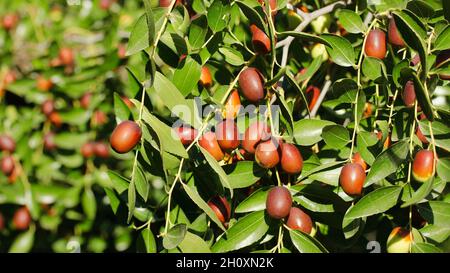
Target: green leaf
[
  {"x": 443, "y": 168},
  {"x": 131, "y": 200},
  {"x": 253, "y": 16},
  {"x": 340, "y": 50},
  {"x": 435, "y": 212},
  {"x": 424, "y": 248},
  {"x": 441, "y": 132},
  {"x": 420, "y": 194},
  {"x": 89, "y": 204},
  {"x": 218, "y": 169},
  {"x": 139, "y": 37},
  {"x": 245, "y": 232},
  {"x": 351, "y": 226},
  {"x": 217, "y": 16},
  {"x": 243, "y": 174},
  {"x": 70, "y": 140},
  {"x": 256, "y": 201},
  {"x": 436, "y": 233},
  {"x": 387, "y": 162},
  {"x": 336, "y": 136},
  {"x": 142, "y": 186},
  {"x": 119, "y": 182},
  {"x": 23, "y": 242},
  {"x": 149, "y": 240},
  {"x": 232, "y": 56},
  {"x": 174, "y": 236},
  {"x": 420, "y": 8},
  {"x": 373, "y": 68},
  {"x": 197, "y": 199},
  {"x": 150, "y": 22},
  {"x": 187, "y": 77},
  {"x": 305, "y": 243},
  {"x": 194, "y": 244},
  {"x": 197, "y": 32},
  {"x": 423, "y": 97},
  {"x": 294, "y": 83},
  {"x": 121, "y": 110},
  {"x": 309, "y": 131},
  {"x": 351, "y": 21},
  {"x": 378, "y": 201}
]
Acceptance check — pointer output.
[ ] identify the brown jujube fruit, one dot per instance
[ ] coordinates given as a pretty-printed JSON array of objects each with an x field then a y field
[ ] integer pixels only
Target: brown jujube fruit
[
  {"x": 227, "y": 135},
  {"x": 278, "y": 202},
  {"x": 55, "y": 119},
  {"x": 291, "y": 159},
  {"x": 266, "y": 154},
  {"x": 221, "y": 208},
  {"x": 186, "y": 134},
  {"x": 256, "y": 132},
  {"x": 125, "y": 136},
  {"x": 232, "y": 106},
  {"x": 10, "y": 20},
  {"x": 7, "y": 143},
  {"x": 352, "y": 179},
  {"x": 205, "y": 77},
  {"x": 49, "y": 141},
  {"x": 393, "y": 34},
  {"x": 87, "y": 149},
  {"x": 409, "y": 94},
  {"x": 423, "y": 165},
  {"x": 261, "y": 43},
  {"x": 7, "y": 165},
  {"x": 85, "y": 100},
  {"x": 209, "y": 142},
  {"x": 251, "y": 85},
  {"x": 22, "y": 218},
  {"x": 376, "y": 44},
  {"x": 299, "y": 220},
  {"x": 44, "y": 84},
  {"x": 101, "y": 149},
  {"x": 66, "y": 56},
  {"x": 48, "y": 106}
]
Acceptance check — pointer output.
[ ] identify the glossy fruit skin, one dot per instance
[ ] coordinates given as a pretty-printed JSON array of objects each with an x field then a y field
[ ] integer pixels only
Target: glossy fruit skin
[
  {"x": 205, "y": 77},
  {"x": 88, "y": 149},
  {"x": 376, "y": 44},
  {"x": 66, "y": 56},
  {"x": 7, "y": 165},
  {"x": 232, "y": 106},
  {"x": 99, "y": 118},
  {"x": 125, "y": 136},
  {"x": 393, "y": 35},
  {"x": 22, "y": 218},
  {"x": 221, "y": 208},
  {"x": 186, "y": 134},
  {"x": 101, "y": 149},
  {"x": 55, "y": 119},
  {"x": 251, "y": 85},
  {"x": 209, "y": 142},
  {"x": 266, "y": 154},
  {"x": 44, "y": 84},
  {"x": 278, "y": 202},
  {"x": 85, "y": 100},
  {"x": 312, "y": 95},
  {"x": 227, "y": 135},
  {"x": 49, "y": 141},
  {"x": 423, "y": 165},
  {"x": 419, "y": 133},
  {"x": 352, "y": 179},
  {"x": 299, "y": 220},
  {"x": 48, "y": 106},
  {"x": 319, "y": 50},
  {"x": 291, "y": 159},
  {"x": 359, "y": 160},
  {"x": 7, "y": 143},
  {"x": 261, "y": 43},
  {"x": 399, "y": 241},
  {"x": 409, "y": 94},
  {"x": 256, "y": 132}
]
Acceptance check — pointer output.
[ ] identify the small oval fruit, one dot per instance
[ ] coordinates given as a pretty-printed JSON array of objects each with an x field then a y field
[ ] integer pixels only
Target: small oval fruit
[
  {"x": 125, "y": 136},
  {"x": 22, "y": 218},
  {"x": 205, "y": 77},
  {"x": 209, "y": 142},
  {"x": 101, "y": 149},
  {"x": 319, "y": 50},
  {"x": 352, "y": 179},
  {"x": 399, "y": 240},
  {"x": 7, "y": 164},
  {"x": 66, "y": 56},
  {"x": 409, "y": 94},
  {"x": 256, "y": 132},
  {"x": 232, "y": 106},
  {"x": 87, "y": 149},
  {"x": 9, "y": 78},
  {"x": 251, "y": 85},
  {"x": 227, "y": 135},
  {"x": 312, "y": 95},
  {"x": 186, "y": 134},
  {"x": 48, "y": 106},
  {"x": 299, "y": 220},
  {"x": 99, "y": 118},
  {"x": 359, "y": 160},
  {"x": 423, "y": 165},
  {"x": 7, "y": 143},
  {"x": 10, "y": 20},
  {"x": 221, "y": 208},
  {"x": 376, "y": 44},
  {"x": 291, "y": 159},
  {"x": 278, "y": 202},
  {"x": 393, "y": 35},
  {"x": 260, "y": 41},
  {"x": 85, "y": 100},
  {"x": 266, "y": 154},
  {"x": 55, "y": 119},
  {"x": 44, "y": 84},
  {"x": 106, "y": 4},
  {"x": 49, "y": 141}
]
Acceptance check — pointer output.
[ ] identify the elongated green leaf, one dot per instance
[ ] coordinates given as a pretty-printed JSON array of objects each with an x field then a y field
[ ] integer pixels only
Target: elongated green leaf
[
  {"x": 309, "y": 131},
  {"x": 139, "y": 37},
  {"x": 351, "y": 21},
  {"x": 425, "y": 248},
  {"x": 435, "y": 212},
  {"x": 121, "y": 110},
  {"x": 217, "y": 16},
  {"x": 150, "y": 21},
  {"x": 243, "y": 174},
  {"x": 198, "y": 31},
  {"x": 443, "y": 40},
  {"x": 131, "y": 200},
  {"x": 194, "y": 244},
  {"x": 305, "y": 243},
  {"x": 149, "y": 240},
  {"x": 256, "y": 201},
  {"x": 340, "y": 49},
  {"x": 218, "y": 169},
  {"x": 441, "y": 132},
  {"x": 89, "y": 204},
  {"x": 142, "y": 186},
  {"x": 174, "y": 236},
  {"x": 420, "y": 194},
  {"x": 23, "y": 243},
  {"x": 336, "y": 136},
  {"x": 443, "y": 168},
  {"x": 186, "y": 77}
]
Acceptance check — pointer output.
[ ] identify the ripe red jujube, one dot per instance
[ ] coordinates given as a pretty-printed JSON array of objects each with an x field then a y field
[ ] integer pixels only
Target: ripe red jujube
[
  {"x": 209, "y": 142},
  {"x": 256, "y": 132},
  {"x": 205, "y": 77},
  {"x": 221, "y": 208},
  {"x": 261, "y": 43},
  {"x": 291, "y": 159},
  {"x": 352, "y": 179},
  {"x": 423, "y": 165},
  {"x": 227, "y": 135},
  {"x": 125, "y": 136},
  {"x": 101, "y": 149},
  {"x": 393, "y": 34},
  {"x": 266, "y": 154},
  {"x": 22, "y": 218},
  {"x": 278, "y": 202},
  {"x": 299, "y": 220},
  {"x": 186, "y": 134},
  {"x": 376, "y": 44},
  {"x": 232, "y": 106},
  {"x": 251, "y": 85},
  {"x": 359, "y": 160},
  {"x": 7, "y": 164},
  {"x": 7, "y": 143}
]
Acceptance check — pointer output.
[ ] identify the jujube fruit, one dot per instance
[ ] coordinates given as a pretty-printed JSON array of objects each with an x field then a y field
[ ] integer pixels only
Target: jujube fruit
[
  {"x": 291, "y": 159},
  {"x": 87, "y": 149},
  {"x": 55, "y": 119},
  {"x": 260, "y": 41},
  {"x": 125, "y": 136},
  {"x": 423, "y": 165},
  {"x": 44, "y": 84},
  {"x": 7, "y": 143},
  {"x": 101, "y": 149},
  {"x": 99, "y": 118},
  {"x": 399, "y": 241},
  {"x": 312, "y": 95},
  {"x": 376, "y": 44},
  {"x": 266, "y": 154},
  {"x": 227, "y": 135},
  {"x": 359, "y": 160},
  {"x": 10, "y": 20},
  {"x": 299, "y": 220},
  {"x": 352, "y": 178},
  {"x": 256, "y": 132},
  {"x": 251, "y": 85},
  {"x": 49, "y": 141},
  {"x": 186, "y": 134},
  {"x": 85, "y": 100},
  {"x": 7, "y": 164},
  {"x": 66, "y": 56},
  {"x": 22, "y": 218},
  {"x": 278, "y": 202},
  {"x": 221, "y": 208},
  {"x": 205, "y": 77},
  {"x": 232, "y": 106},
  {"x": 208, "y": 141},
  {"x": 409, "y": 94},
  {"x": 393, "y": 34},
  {"x": 48, "y": 106}
]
